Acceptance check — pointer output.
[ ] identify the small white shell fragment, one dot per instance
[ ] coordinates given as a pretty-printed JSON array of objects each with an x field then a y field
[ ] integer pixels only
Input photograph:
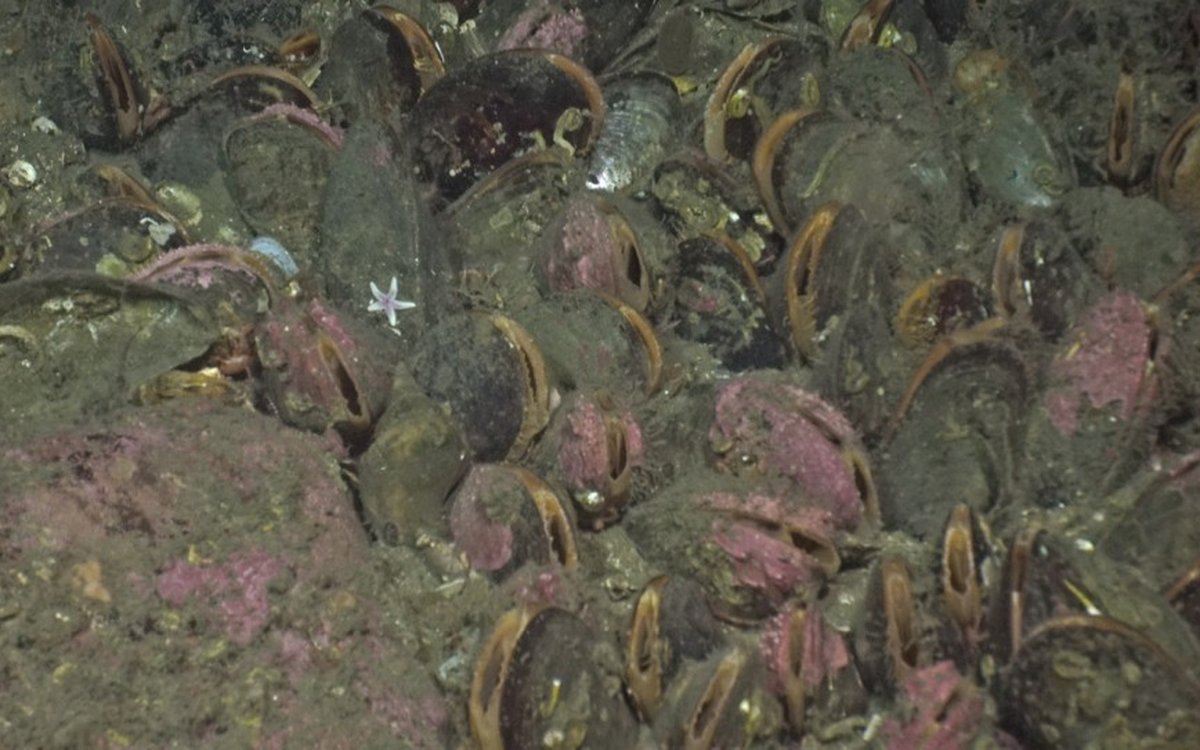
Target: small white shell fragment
[
  {"x": 21, "y": 174},
  {"x": 1084, "y": 545},
  {"x": 43, "y": 124}
]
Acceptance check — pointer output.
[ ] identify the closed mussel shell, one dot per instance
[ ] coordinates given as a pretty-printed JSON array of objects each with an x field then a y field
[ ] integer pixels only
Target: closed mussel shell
[
  {"x": 417, "y": 454},
  {"x": 896, "y": 637},
  {"x": 643, "y": 112},
  {"x": 1078, "y": 680},
  {"x": 75, "y": 343},
  {"x": 497, "y": 107},
  {"x": 539, "y": 679},
  {"x": 113, "y": 236},
  {"x": 719, "y": 301},
  {"x": 492, "y": 375},
  {"x": 277, "y": 163},
  {"x": 1039, "y": 277},
  {"x": 942, "y": 450},
  {"x": 750, "y": 551},
  {"x": 1177, "y": 172}
]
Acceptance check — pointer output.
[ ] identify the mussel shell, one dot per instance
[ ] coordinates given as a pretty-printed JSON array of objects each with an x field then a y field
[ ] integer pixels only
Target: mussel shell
[
  {"x": 542, "y": 675},
  {"x": 502, "y": 516},
  {"x": 718, "y": 703},
  {"x": 496, "y": 107},
  {"x": 643, "y": 112},
  {"x": 112, "y": 235},
  {"x": 719, "y": 301},
  {"x": 72, "y": 343},
  {"x": 417, "y": 454},
  {"x": 958, "y": 433},
  {"x": 494, "y": 383},
  {"x": 1079, "y": 680},
  {"x": 276, "y": 170}
]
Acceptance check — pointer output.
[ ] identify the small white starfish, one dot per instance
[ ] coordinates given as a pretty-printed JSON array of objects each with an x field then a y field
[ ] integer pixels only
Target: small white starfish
[{"x": 387, "y": 303}]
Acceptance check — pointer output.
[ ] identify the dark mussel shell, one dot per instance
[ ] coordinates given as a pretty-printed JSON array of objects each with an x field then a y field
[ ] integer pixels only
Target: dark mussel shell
[
  {"x": 497, "y": 107},
  {"x": 1039, "y": 278},
  {"x": 113, "y": 235},
  {"x": 719, "y": 703},
  {"x": 955, "y": 434},
  {"x": 894, "y": 640},
  {"x": 540, "y": 679},
  {"x": 492, "y": 375},
  {"x": 763, "y": 80},
  {"x": 379, "y": 63},
  {"x": 1078, "y": 680},
  {"x": 671, "y": 625},
  {"x": 719, "y": 301}
]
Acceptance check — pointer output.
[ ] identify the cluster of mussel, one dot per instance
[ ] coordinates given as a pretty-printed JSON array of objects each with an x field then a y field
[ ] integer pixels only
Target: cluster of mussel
[{"x": 822, "y": 390}]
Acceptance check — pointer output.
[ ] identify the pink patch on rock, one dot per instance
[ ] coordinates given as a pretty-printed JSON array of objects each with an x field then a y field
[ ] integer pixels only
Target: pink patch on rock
[
  {"x": 547, "y": 28},
  {"x": 487, "y": 544},
  {"x": 774, "y": 510},
  {"x": 762, "y": 562},
  {"x": 583, "y": 454},
  {"x": 947, "y": 711},
  {"x": 239, "y": 585},
  {"x": 1106, "y": 362},
  {"x": 780, "y": 428}
]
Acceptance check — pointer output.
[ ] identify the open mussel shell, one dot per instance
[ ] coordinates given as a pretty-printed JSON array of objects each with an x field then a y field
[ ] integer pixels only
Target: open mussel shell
[
  {"x": 939, "y": 305},
  {"x": 502, "y": 516},
  {"x": 77, "y": 343},
  {"x": 1177, "y": 172},
  {"x": 719, "y": 301},
  {"x": 833, "y": 265},
  {"x": 671, "y": 624},
  {"x": 1078, "y": 680},
  {"x": 895, "y": 639},
  {"x": 113, "y": 236},
  {"x": 541, "y": 679},
  {"x": 593, "y": 446},
  {"x": 591, "y": 342},
  {"x": 399, "y": 57},
  {"x": 643, "y": 113},
  {"x": 417, "y": 455},
  {"x": 764, "y": 79},
  {"x": 609, "y": 246},
  {"x": 721, "y": 702},
  {"x": 942, "y": 448},
  {"x": 751, "y": 552},
  {"x": 492, "y": 375},
  {"x": 323, "y": 371},
  {"x": 1039, "y": 278},
  {"x": 497, "y": 107}
]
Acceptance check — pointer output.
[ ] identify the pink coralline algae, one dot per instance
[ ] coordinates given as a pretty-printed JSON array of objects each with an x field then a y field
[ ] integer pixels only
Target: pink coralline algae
[
  {"x": 947, "y": 711},
  {"x": 487, "y": 543},
  {"x": 784, "y": 430},
  {"x": 233, "y": 592},
  {"x": 583, "y": 253},
  {"x": 547, "y": 28},
  {"x": 583, "y": 455},
  {"x": 762, "y": 562},
  {"x": 824, "y": 650},
  {"x": 1106, "y": 362}
]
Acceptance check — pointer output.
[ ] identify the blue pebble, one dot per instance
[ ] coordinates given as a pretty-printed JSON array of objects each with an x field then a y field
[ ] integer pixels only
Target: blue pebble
[{"x": 270, "y": 248}]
